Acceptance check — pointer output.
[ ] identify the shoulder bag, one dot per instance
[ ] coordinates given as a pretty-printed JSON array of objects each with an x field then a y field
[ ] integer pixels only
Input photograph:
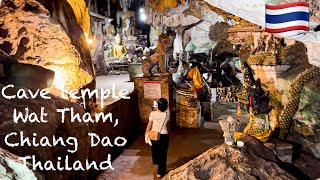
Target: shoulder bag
[{"x": 154, "y": 135}]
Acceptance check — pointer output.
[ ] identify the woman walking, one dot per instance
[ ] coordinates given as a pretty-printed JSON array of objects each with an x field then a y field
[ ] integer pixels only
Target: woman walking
[{"x": 158, "y": 121}]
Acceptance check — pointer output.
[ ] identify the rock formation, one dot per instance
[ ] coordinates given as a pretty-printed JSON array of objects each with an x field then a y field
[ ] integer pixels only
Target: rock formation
[
  {"x": 46, "y": 34},
  {"x": 252, "y": 161},
  {"x": 81, "y": 12},
  {"x": 13, "y": 168}
]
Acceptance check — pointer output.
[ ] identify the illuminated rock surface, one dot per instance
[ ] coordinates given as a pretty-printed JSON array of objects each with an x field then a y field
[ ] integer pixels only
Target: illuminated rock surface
[{"x": 41, "y": 34}]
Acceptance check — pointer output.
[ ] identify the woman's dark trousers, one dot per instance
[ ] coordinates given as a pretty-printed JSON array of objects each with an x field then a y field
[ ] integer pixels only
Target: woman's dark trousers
[{"x": 159, "y": 153}]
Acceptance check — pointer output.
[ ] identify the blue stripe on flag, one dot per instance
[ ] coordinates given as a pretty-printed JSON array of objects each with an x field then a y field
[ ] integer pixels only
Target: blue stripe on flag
[{"x": 294, "y": 16}]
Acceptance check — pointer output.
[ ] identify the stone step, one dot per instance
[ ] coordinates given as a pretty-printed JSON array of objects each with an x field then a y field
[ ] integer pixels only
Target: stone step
[{"x": 282, "y": 149}]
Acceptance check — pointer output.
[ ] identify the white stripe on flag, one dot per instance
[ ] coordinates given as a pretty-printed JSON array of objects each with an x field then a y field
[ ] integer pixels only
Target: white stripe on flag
[
  {"x": 287, "y": 24},
  {"x": 287, "y": 10},
  {"x": 292, "y": 33}
]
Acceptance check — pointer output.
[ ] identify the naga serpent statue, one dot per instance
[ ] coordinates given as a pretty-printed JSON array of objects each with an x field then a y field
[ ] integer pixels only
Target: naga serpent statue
[{"x": 290, "y": 109}]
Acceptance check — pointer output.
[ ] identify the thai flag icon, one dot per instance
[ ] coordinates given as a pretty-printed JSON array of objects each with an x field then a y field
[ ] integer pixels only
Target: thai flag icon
[{"x": 287, "y": 17}]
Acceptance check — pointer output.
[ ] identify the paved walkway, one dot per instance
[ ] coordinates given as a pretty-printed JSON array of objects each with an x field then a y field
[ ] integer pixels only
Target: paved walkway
[{"x": 185, "y": 144}]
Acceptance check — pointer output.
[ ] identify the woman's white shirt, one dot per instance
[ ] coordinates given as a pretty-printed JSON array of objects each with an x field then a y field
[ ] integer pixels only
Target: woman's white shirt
[{"x": 159, "y": 119}]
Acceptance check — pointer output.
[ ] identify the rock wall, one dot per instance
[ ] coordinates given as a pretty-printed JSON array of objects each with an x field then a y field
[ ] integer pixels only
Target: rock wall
[
  {"x": 81, "y": 12},
  {"x": 46, "y": 34},
  {"x": 51, "y": 34}
]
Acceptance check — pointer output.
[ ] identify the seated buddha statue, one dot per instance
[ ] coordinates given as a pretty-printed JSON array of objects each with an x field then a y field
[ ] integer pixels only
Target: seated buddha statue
[
  {"x": 108, "y": 28},
  {"x": 119, "y": 50},
  {"x": 126, "y": 19}
]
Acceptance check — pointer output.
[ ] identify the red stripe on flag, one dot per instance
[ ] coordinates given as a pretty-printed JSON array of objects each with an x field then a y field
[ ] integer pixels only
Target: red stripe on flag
[
  {"x": 291, "y": 28},
  {"x": 283, "y": 6}
]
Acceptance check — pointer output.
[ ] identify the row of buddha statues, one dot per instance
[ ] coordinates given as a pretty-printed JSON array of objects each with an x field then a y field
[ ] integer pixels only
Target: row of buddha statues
[{"x": 125, "y": 20}]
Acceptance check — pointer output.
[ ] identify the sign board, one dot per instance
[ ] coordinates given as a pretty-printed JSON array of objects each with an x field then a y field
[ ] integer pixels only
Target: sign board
[
  {"x": 214, "y": 94},
  {"x": 152, "y": 89}
]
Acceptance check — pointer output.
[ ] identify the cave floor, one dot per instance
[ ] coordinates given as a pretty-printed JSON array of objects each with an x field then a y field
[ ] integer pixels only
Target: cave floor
[{"x": 135, "y": 162}]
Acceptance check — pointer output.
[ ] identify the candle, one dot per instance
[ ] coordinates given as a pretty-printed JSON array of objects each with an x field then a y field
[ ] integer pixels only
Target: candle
[{"x": 250, "y": 100}]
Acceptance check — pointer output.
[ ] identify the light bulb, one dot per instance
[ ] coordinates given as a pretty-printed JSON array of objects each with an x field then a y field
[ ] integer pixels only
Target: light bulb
[
  {"x": 143, "y": 17},
  {"x": 89, "y": 41}
]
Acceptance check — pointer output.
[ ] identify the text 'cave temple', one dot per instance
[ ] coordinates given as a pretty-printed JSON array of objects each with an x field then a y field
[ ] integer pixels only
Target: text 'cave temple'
[{"x": 159, "y": 89}]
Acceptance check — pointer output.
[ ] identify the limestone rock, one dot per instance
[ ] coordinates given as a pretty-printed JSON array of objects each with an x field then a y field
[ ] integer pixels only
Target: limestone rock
[
  {"x": 180, "y": 20},
  {"x": 25, "y": 75},
  {"x": 155, "y": 31},
  {"x": 203, "y": 37},
  {"x": 199, "y": 38},
  {"x": 46, "y": 35},
  {"x": 81, "y": 12},
  {"x": 13, "y": 168},
  {"x": 308, "y": 164},
  {"x": 54, "y": 126},
  {"x": 202, "y": 11},
  {"x": 252, "y": 161},
  {"x": 313, "y": 56}
]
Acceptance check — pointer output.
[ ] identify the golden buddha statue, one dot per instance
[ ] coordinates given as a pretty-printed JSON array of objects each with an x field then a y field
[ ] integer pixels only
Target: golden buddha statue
[{"x": 119, "y": 50}]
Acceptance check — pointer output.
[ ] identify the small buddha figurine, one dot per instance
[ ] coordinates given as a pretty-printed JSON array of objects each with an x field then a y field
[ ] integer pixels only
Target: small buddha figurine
[
  {"x": 238, "y": 22},
  {"x": 119, "y": 50},
  {"x": 108, "y": 28}
]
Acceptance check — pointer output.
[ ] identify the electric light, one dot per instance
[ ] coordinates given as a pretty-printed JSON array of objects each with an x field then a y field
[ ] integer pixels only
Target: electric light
[
  {"x": 89, "y": 41},
  {"x": 59, "y": 81},
  {"x": 143, "y": 17}
]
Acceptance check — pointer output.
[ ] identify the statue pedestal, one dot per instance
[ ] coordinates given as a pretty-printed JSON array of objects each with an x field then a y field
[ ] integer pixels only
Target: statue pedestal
[
  {"x": 206, "y": 110},
  {"x": 188, "y": 112},
  {"x": 151, "y": 89},
  {"x": 188, "y": 117},
  {"x": 229, "y": 128}
]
